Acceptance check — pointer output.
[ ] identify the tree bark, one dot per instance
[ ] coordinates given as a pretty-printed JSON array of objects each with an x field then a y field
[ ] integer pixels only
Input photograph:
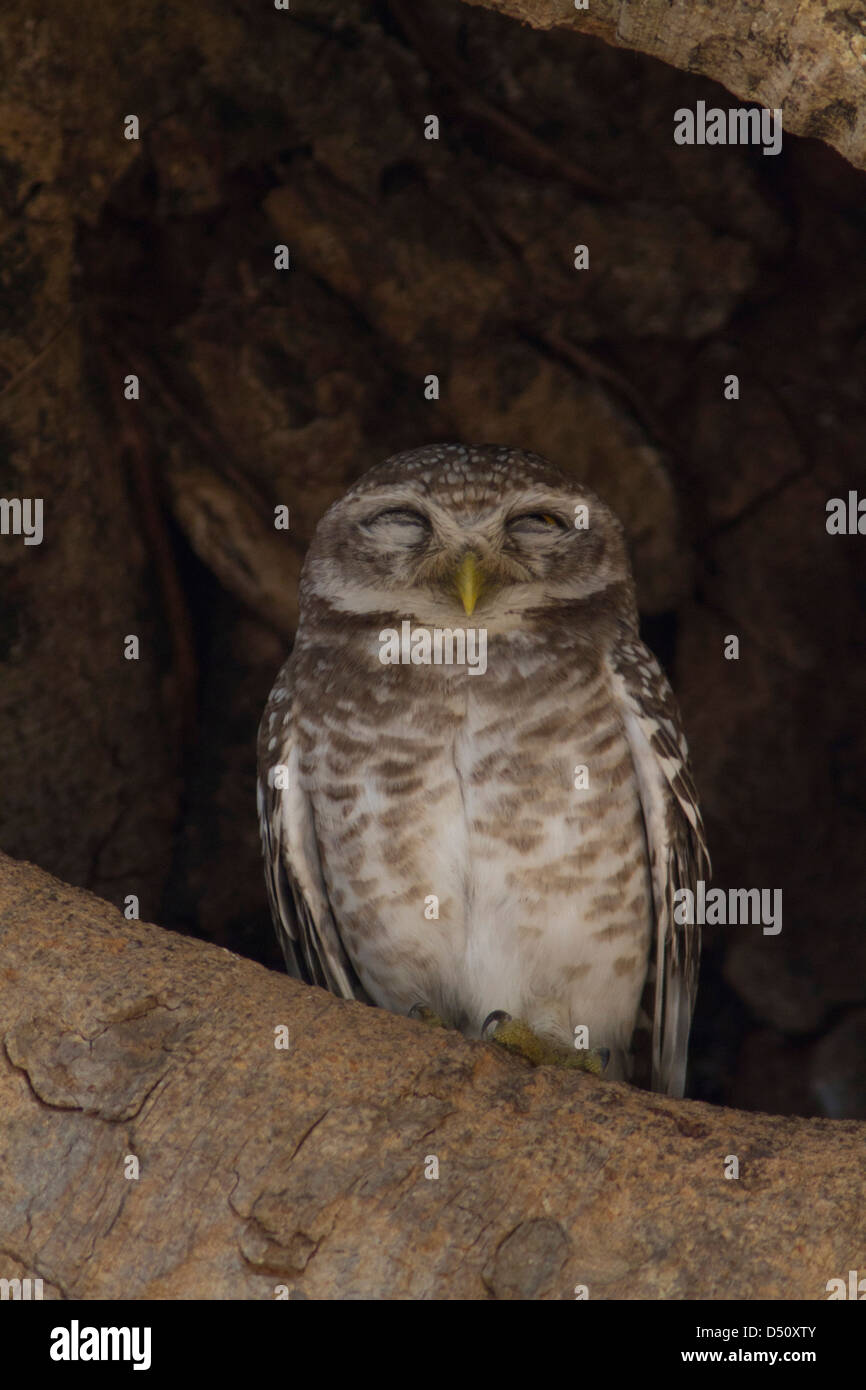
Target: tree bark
[
  {"x": 305, "y": 1170},
  {"x": 806, "y": 56}
]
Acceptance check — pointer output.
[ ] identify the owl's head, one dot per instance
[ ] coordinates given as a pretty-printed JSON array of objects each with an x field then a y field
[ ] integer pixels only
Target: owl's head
[{"x": 446, "y": 532}]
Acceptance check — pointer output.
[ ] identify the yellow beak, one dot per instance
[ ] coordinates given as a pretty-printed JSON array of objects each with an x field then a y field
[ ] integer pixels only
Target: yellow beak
[{"x": 470, "y": 581}]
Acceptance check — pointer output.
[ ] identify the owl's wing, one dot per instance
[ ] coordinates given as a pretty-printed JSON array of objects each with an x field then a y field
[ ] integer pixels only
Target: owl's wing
[
  {"x": 296, "y": 888},
  {"x": 676, "y": 843}
]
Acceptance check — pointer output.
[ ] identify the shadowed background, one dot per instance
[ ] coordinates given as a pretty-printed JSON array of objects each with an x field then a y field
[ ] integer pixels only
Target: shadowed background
[{"x": 261, "y": 387}]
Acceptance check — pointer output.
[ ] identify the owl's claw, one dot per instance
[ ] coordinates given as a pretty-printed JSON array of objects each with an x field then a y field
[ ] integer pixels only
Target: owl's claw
[
  {"x": 517, "y": 1037},
  {"x": 422, "y": 1014},
  {"x": 492, "y": 1022}
]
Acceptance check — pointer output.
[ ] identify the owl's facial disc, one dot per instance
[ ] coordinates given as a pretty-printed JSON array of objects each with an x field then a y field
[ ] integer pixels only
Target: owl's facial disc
[{"x": 437, "y": 559}]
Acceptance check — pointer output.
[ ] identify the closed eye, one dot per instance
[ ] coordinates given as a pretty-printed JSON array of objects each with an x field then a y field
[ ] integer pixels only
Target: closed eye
[
  {"x": 536, "y": 523},
  {"x": 402, "y": 523}
]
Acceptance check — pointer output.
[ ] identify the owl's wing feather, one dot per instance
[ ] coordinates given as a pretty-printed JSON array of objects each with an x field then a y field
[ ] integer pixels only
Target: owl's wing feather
[
  {"x": 297, "y": 893},
  {"x": 676, "y": 844}
]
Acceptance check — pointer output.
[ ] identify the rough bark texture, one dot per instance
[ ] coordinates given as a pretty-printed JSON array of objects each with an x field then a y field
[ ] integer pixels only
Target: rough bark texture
[
  {"x": 305, "y": 1168},
  {"x": 806, "y": 56}
]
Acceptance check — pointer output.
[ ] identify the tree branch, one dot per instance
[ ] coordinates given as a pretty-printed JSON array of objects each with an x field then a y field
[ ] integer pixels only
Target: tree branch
[
  {"x": 806, "y": 56},
  {"x": 305, "y": 1168}
]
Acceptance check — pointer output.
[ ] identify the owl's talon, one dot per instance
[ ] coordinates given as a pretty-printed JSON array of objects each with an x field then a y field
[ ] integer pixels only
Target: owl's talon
[
  {"x": 491, "y": 1023},
  {"x": 422, "y": 1014},
  {"x": 517, "y": 1037}
]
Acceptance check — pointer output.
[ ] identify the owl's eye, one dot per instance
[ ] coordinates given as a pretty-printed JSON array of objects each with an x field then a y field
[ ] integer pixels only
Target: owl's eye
[
  {"x": 399, "y": 524},
  {"x": 536, "y": 523}
]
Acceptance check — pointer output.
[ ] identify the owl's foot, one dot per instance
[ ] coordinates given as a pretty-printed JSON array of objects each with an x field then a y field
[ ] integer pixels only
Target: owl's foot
[
  {"x": 516, "y": 1036},
  {"x": 425, "y": 1015}
]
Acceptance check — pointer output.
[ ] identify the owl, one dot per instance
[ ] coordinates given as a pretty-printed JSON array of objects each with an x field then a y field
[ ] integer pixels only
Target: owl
[{"x": 474, "y": 794}]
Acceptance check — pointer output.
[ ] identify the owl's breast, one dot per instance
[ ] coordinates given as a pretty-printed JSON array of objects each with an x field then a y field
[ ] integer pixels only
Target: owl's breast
[{"x": 482, "y": 842}]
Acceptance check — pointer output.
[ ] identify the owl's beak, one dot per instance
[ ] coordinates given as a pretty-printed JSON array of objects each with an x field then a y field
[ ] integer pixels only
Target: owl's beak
[{"x": 470, "y": 581}]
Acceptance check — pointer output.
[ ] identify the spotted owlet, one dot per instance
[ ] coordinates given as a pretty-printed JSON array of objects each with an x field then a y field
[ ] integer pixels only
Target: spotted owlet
[{"x": 484, "y": 825}]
